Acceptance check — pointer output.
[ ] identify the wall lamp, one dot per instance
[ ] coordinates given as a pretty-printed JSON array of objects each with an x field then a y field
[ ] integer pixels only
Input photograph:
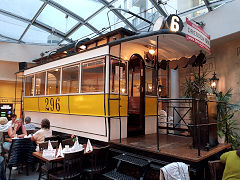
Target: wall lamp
[{"x": 213, "y": 82}]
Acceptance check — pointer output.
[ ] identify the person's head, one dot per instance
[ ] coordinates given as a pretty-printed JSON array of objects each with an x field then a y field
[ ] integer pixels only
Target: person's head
[
  {"x": 45, "y": 124},
  {"x": 27, "y": 120},
  {"x": 18, "y": 122},
  {"x": 13, "y": 117}
]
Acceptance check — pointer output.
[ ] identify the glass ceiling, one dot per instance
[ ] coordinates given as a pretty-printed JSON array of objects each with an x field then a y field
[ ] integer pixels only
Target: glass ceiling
[{"x": 64, "y": 21}]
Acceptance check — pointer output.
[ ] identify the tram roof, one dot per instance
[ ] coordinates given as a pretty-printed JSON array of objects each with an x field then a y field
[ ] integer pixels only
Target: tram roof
[{"x": 172, "y": 45}]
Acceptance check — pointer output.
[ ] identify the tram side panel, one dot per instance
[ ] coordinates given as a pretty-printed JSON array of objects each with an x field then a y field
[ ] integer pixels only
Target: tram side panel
[
  {"x": 113, "y": 109},
  {"x": 150, "y": 115},
  {"x": 82, "y": 115}
]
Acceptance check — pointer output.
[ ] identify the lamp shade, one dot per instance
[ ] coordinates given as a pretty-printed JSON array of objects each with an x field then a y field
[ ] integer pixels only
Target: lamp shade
[{"x": 213, "y": 82}]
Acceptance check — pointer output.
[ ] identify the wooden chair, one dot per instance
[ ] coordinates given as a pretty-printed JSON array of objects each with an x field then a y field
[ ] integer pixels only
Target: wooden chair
[
  {"x": 179, "y": 169},
  {"x": 2, "y": 171},
  {"x": 216, "y": 169},
  {"x": 5, "y": 134},
  {"x": 20, "y": 154},
  {"x": 32, "y": 131},
  {"x": 44, "y": 145},
  {"x": 4, "y": 152},
  {"x": 72, "y": 167},
  {"x": 53, "y": 138},
  {"x": 46, "y": 168},
  {"x": 96, "y": 161},
  {"x": 67, "y": 142}
]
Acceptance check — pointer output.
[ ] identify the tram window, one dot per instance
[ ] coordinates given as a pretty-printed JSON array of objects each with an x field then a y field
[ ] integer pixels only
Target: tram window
[
  {"x": 53, "y": 81},
  {"x": 135, "y": 81},
  {"x": 114, "y": 83},
  {"x": 29, "y": 85},
  {"x": 150, "y": 82},
  {"x": 70, "y": 79},
  {"x": 92, "y": 79},
  {"x": 40, "y": 83}
]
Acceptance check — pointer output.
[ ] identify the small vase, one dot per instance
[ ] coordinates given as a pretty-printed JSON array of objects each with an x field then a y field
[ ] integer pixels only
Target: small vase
[{"x": 221, "y": 140}]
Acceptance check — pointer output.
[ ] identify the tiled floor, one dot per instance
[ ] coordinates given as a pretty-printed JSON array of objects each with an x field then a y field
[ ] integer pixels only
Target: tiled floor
[{"x": 22, "y": 175}]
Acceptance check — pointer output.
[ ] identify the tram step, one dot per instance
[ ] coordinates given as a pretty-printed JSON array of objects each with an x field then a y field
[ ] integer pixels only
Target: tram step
[
  {"x": 118, "y": 176},
  {"x": 132, "y": 160}
]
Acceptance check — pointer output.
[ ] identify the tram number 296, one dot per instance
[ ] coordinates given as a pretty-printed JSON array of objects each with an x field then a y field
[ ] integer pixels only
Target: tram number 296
[{"x": 52, "y": 104}]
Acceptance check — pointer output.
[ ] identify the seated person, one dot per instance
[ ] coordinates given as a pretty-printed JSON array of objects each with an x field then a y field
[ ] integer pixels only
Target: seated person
[
  {"x": 4, "y": 125},
  {"x": 3, "y": 120},
  {"x": 28, "y": 125},
  {"x": 17, "y": 130},
  {"x": 231, "y": 160},
  {"x": 44, "y": 132}
]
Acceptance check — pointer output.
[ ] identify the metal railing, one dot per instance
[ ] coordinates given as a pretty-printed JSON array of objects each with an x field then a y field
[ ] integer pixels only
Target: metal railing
[{"x": 177, "y": 117}]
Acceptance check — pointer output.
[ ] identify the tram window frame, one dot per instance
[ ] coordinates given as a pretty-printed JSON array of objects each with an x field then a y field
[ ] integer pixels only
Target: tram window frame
[
  {"x": 78, "y": 77},
  {"x": 153, "y": 82},
  {"x": 43, "y": 84},
  {"x": 58, "y": 81},
  {"x": 82, "y": 78},
  {"x": 112, "y": 89},
  {"x": 32, "y": 89}
]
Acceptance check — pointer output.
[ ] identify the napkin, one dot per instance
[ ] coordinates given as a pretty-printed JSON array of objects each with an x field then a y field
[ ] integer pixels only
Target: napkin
[
  {"x": 50, "y": 145},
  {"x": 89, "y": 146},
  {"x": 60, "y": 151},
  {"x": 28, "y": 136}
]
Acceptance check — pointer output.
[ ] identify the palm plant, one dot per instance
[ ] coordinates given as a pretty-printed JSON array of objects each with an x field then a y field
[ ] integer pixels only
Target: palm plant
[
  {"x": 196, "y": 85},
  {"x": 225, "y": 113},
  {"x": 225, "y": 110}
]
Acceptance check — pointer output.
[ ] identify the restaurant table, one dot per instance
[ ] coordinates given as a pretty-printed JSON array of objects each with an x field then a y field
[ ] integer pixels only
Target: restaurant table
[{"x": 39, "y": 155}]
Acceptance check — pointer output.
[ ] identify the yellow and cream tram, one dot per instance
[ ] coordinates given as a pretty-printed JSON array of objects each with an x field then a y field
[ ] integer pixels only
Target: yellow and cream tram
[{"x": 107, "y": 87}]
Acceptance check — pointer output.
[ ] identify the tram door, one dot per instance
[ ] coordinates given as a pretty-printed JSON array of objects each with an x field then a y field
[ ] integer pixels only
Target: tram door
[{"x": 136, "y": 121}]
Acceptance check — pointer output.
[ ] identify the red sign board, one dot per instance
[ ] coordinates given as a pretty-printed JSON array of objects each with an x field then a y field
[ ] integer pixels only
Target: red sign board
[{"x": 196, "y": 34}]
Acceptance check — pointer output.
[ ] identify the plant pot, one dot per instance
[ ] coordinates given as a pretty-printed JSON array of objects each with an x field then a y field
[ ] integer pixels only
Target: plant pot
[{"x": 221, "y": 140}]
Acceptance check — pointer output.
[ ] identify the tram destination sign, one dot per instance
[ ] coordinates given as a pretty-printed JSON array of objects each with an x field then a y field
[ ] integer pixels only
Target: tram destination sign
[
  {"x": 196, "y": 34},
  {"x": 173, "y": 22}
]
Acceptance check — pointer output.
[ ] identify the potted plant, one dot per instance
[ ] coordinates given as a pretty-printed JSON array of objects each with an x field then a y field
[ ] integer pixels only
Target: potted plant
[
  {"x": 197, "y": 84},
  {"x": 227, "y": 126}
]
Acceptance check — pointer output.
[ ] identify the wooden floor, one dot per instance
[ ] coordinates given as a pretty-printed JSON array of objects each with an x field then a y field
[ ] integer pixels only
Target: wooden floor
[{"x": 170, "y": 145}]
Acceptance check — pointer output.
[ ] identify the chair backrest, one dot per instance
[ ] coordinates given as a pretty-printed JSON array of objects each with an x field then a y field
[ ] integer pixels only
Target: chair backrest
[
  {"x": 180, "y": 169},
  {"x": 53, "y": 138},
  {"x": 98, "y": 159},
  {"x": 5, "y": 134},
  {"x": 216, "y": 169},
  {"x": 67, "y": 142},
  {"x": 32, "y": 131},
  {"x": 73, "y": 164},
  {"x": 21, "y": 152},
  {"x": 2, "y": 172},
  {"x": 44, "y": 145}
]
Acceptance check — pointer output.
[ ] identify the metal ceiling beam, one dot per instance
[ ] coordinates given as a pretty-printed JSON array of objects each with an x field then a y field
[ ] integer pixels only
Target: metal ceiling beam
[
  {"x": 77, "y": 26},
  {"x": 159, "y": 9},
  {"x": 33, "y": 19},
  {"x": 71, "y": 14},
  {"x": 9, "y": 14},
  {"x": 192, "y": 10},
  {"x": 12, "y": 39},
  {"x": 218, "y": 2},
  {"x": 207, "y": 3},
  {"x": 200, "y": 7},
  {"x": 119, "y": 15},
  {"x": 50, "y": 30},
  {"x": 35, "y": 23}
]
